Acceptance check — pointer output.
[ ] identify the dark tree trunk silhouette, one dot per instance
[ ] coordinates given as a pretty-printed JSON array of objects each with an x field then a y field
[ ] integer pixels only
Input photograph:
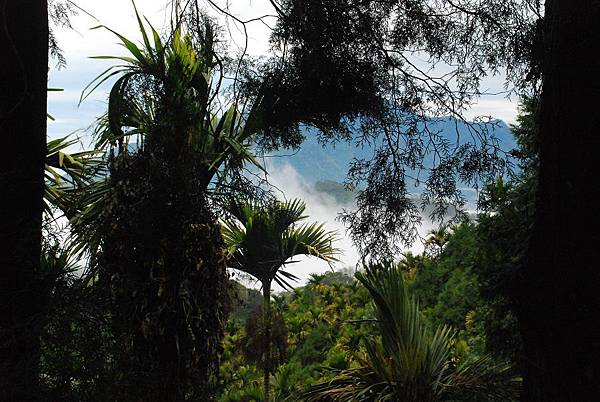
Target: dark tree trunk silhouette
[
  {"x": 164, "y": 267},
  {"x": 561, "y": 300},
  {"x": 23, "y": 82},
  {"x": 267, "y": 325}
]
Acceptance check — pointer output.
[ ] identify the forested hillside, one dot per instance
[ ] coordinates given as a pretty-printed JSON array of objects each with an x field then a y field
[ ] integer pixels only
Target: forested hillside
[{"x": 321, "y": 328}]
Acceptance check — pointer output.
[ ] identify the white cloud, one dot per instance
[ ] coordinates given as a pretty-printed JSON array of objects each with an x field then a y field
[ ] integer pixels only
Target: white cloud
[
  {"x": 320, "y": 208},
  {"x": 325, "y": 209},
  {"x": 495, "y": 106}
]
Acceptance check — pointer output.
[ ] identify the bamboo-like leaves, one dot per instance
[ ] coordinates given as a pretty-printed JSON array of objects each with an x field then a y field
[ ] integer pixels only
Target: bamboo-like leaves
[{"x": 67, "y": 172}]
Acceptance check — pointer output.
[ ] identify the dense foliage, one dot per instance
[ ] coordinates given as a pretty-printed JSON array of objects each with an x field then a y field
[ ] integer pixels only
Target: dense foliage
[
  {"x": 410, "y": 361},
  {"x": 330, "y": 324},
  {"x": 320, "y": 332},
  {"x": 465, "y": 279},
  {"x": 144, "y": 318},
  {"x": 77, "y": 342},
  {"x": 504, "y": 234}
]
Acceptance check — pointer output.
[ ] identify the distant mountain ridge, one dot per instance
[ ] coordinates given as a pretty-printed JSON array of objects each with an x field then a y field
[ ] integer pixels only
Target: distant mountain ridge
[{"x": 318, "y": 163}]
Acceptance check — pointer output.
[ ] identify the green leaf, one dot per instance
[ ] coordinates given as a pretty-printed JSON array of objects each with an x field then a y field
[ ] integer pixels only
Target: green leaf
[
  {"x": 158, "y": 45},
  {"x": 122, "y": 58},
  {"x": 142, "y": 29},
  {"x": 99, "y": 80}
]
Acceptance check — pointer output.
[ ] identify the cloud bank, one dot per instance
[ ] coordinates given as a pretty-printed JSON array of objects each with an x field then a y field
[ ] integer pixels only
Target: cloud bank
[{"x": 322, "y": 208}]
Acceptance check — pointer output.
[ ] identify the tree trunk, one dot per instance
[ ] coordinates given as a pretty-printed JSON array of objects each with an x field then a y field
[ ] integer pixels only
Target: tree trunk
[
  {"x": 559, "y": 312},
  {"x": 165, "y": 269},
  {"x": 267, "y": 323},
  {"x": 23, "y": 83}
]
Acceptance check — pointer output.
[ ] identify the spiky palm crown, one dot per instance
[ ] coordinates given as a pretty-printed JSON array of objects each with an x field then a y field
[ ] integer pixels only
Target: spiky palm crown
[{"x": 261, "y": 239}]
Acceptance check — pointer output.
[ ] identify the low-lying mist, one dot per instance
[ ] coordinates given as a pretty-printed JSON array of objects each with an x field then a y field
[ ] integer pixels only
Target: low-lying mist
[{"x": 324, "y": 208}]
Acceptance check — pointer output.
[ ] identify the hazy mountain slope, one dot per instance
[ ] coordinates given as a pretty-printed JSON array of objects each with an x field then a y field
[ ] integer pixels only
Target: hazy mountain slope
[{"x": 315, "y": 162}]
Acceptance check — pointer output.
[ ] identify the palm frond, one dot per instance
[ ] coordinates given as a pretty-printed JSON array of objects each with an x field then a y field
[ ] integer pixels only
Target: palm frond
[
  {"x": 309, "y": 239},
  {"x": 67, "y": 172},
  {"x": 408, "y": 362},
  {"x": 261, "y": 239}
]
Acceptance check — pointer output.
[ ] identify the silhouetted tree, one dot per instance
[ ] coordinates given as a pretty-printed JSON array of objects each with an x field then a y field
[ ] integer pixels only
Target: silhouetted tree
[
  {"x": 354, "y": 70},
  {"x": 560, "y": 305},
  {"x": 23, "y": 75},
  {"x": 160, "y": 250}
]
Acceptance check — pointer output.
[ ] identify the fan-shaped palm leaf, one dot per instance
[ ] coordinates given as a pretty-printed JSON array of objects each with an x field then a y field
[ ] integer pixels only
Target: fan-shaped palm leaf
[{"x": 261, "y": 240}]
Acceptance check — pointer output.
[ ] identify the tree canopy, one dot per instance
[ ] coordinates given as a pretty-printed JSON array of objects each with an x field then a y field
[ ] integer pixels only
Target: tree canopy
[{"x": 355, "y": 70}]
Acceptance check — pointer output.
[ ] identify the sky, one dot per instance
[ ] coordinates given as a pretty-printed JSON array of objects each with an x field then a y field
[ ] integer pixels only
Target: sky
[{"x": 82, "y": 42}]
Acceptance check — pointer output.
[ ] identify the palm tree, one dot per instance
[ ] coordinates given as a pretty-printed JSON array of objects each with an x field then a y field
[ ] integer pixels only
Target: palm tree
[
  {"x": 411, "y": 264},
  {"x": 408, "y": 362},
  {"x": 253, "y": 342},
  {"x": 159, "y": 247},
  {"x": 261, "y": 240},
  {"x": 316, "y": 279},
  {"x": 437, "y": 239}
]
